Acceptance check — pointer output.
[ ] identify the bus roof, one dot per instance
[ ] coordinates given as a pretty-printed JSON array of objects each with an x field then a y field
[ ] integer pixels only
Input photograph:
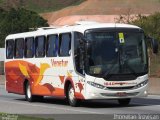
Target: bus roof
[{"x": 79, "y": 26}]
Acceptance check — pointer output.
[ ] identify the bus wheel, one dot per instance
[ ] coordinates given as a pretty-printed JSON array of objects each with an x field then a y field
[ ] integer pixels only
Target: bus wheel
[
  {"x": 124, "y": 102},
  {"x": 29, "y": 97},
  {"x": 71, "y": 97}
]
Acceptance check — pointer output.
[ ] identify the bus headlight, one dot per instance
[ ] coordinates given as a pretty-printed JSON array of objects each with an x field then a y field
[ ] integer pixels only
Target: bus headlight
[
  {"x": 95, "y": 85},
  {"x": 141, "y": 84}
]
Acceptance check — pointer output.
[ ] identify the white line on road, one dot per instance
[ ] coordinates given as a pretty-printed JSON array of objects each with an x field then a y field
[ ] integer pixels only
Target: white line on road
[
  {"x": 136, "y": 103},
  {"x": 83, "y": 111}
]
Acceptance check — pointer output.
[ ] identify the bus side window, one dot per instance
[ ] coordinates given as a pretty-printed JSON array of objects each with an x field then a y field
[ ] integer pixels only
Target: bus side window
[
  {"x": 29, "y": 47},
  {"x": 65, "y": 44},
  {"x": 52, "y": 46},
  {"x": 40, "y": 46},
  {"x": 9, "y": 49},
  {"x": 19, "y": 48}
]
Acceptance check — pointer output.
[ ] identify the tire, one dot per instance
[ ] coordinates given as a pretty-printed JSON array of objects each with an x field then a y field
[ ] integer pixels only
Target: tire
[
  {"x": 28, "y": 95},
  {"x": 124, "y": 102},
  {"x": 71, "y": 97}
]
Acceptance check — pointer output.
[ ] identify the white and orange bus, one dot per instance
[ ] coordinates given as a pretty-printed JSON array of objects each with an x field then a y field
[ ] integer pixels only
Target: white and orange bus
[{"x": 85, "y": 61}]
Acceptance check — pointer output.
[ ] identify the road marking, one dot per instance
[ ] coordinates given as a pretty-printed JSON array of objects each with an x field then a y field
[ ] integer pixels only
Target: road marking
[
  {"x": 83, "y": 111},
  {"x": 141, "y": 105}
]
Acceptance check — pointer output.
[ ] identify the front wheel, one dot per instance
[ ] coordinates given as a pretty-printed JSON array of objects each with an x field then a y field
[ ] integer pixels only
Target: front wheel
[
  {"x": 124, "y": 102},
  {"x": 71, "y": 97}
]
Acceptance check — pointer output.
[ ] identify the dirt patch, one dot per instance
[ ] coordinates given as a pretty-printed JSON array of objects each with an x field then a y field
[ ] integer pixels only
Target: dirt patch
[
  {"x": 106, "y": 7},
  {"x": 69, "y": 20}
]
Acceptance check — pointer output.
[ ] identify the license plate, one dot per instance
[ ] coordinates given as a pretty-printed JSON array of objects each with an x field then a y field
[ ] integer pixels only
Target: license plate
[{"x": 121, "y": 94}]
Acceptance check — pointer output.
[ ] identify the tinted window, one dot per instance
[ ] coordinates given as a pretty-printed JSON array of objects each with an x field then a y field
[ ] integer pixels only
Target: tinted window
[
  {"x": 40, "y": 46},
  {"x": 29, "y": 47},
  {"x": 65, "y": 44},
  {"x": 9, "y": 49},
  {"x": 19, "y": 48},
  {"x": 52, "y": 46}
]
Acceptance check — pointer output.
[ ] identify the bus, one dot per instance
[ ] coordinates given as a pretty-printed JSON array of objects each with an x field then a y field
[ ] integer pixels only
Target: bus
[{"x": 85, "y": 61}]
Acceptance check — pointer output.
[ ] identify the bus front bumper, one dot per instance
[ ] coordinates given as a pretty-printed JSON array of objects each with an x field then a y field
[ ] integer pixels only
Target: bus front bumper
[{"x": 95, "y": 93}]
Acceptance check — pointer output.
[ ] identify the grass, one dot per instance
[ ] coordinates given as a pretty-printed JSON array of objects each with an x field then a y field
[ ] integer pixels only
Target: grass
[
  {"x": 41, "y": 6},
  {"x": 51, "y": 5},
  {"x": 78, "y": 2},
  {"x": 6, "y": 116},
  {"x": 2, "y": 1}
]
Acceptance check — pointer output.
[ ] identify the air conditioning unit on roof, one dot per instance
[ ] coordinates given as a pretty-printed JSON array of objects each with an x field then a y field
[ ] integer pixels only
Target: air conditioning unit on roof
[{"x": 85, "y": 22}]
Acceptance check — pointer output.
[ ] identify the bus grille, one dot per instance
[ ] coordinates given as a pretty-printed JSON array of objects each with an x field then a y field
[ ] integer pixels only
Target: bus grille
[
  {"x": 115, "y": 94},
  {"x": 119, "y": 88}
]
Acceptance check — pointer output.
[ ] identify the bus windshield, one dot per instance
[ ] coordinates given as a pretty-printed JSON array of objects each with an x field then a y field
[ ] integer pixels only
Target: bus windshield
[{"x": 117, "y": 52}]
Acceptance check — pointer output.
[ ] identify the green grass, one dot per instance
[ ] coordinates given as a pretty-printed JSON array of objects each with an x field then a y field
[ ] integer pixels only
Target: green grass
[
  {"x": 6, "y": 116},
  {"x": 1, "y": 1},
  {"x": 41, "y": 6},
  {"x": 78, "y": 2}
]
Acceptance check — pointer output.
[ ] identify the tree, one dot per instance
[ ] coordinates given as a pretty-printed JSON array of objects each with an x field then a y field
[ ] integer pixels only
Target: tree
[
  {"x": 127, "y": 17},
  {"x": 17, "y": 21},
  {"x": 150, "y": 24}
]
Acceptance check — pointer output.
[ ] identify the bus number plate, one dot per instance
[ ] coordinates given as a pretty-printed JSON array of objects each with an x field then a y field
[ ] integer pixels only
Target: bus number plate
[{"x": 121, "y": 94}]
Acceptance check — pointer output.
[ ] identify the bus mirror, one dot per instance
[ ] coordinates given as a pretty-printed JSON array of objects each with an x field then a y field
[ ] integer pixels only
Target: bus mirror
[
  {"x": 80, "y": 53},
  {"x": 84, "y": 52},
  {"x": 154, "y": 44},
  {"x": 88, "y": 47},
  {"x": 85, "y": 45}
]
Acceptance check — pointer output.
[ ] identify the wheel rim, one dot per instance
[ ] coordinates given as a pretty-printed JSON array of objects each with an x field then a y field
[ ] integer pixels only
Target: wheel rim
[
  {"x": 28, "y": 92},
  {"x": 71, "y": 94}
]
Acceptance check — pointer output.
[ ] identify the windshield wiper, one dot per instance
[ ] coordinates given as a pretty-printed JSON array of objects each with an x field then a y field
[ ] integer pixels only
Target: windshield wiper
[
  {"x": 123, "y": 62},
  {"x": 105, "y": 75},
  {"x": 130, "y": 68}
]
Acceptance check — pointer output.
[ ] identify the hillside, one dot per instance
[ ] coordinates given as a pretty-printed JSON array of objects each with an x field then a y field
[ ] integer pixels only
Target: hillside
[
  {"x": 39, "y": 6},
  {"x": 52, "y": 10},
  {"x": 105, "y": 7}
]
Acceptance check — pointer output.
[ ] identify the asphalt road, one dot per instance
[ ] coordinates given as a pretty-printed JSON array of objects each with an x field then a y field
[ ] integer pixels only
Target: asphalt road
[{"x": 92, "y": 110}]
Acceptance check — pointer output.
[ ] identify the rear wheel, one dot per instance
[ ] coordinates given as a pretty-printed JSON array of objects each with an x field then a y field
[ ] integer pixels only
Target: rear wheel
[
  {"x": 28, "y": 94},
  {"x": 71, "y": 97},
  {"x": 124, "y": 102}
]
